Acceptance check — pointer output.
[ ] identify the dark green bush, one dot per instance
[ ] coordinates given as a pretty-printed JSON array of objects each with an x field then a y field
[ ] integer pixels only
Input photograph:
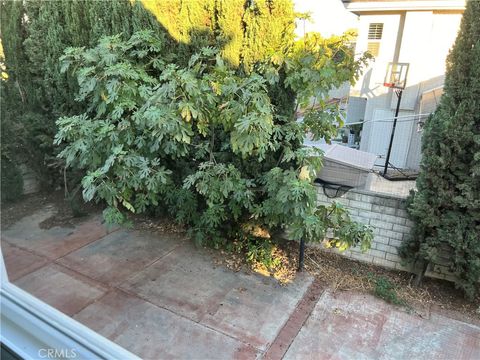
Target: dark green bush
[
  {"x": 205, "y": 141},
  {"x": 34, "y": 35},
  {"x": 12, "y": 181},
  {"x": 446, "y": 208}
]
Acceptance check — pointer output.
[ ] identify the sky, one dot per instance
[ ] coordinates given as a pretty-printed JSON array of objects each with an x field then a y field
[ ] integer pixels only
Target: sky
[{"x": 329, "y": 17}]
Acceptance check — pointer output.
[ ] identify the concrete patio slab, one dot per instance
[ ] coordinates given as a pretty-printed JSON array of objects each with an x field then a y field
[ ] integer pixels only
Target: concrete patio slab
[
  {"x": 188, "y": 285},
  {"x": 120, "y": 254},
  {"x": 61, "y": 288},
  {"x": 154, "y": 333},
  {"x": 160, "y": 297},
  {"x": 29, "y": 225},
  {"x": 356, "y": 326},
  {"x": 20, "y": 262},
  {"x": 56, "y": 241},
  {"x": 251, "y": 308},
  {"x": 256, "y": 309}
]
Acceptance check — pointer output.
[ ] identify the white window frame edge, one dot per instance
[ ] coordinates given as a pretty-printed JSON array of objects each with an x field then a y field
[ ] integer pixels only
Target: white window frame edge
[{"x": 29, "y": 325}]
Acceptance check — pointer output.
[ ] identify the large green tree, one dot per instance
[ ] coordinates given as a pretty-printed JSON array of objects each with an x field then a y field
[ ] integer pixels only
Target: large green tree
[
  {"x": 446, "y": 207},
  {"x": 205, "y": 141}
]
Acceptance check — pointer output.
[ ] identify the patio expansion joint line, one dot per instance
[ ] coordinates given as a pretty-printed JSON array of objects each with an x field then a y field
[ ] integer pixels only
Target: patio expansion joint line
[
  {"x": 106, "y": 285},
  {"x": 48, "y": 261},
  {"x": 33, "y": 252},
  {"x": 110, "y": 287},
  {"x": 109, "y": 290},
  {"x": 133, "y": 294},
  {"x": 296, "y": 321},
  {"x": 85, "y": 245},
  {"x": 154, "y": 261},
  {"x": 52, "y": 259}
]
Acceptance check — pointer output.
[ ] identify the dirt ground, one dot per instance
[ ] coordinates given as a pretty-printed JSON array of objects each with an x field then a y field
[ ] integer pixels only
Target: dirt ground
[{"x": 339, "y": 273}]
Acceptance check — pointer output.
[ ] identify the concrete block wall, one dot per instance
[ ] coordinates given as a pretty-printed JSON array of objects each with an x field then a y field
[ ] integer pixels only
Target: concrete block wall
[
  {"x": 388, "y": 216},
  {"x": 30, "y": 182}
]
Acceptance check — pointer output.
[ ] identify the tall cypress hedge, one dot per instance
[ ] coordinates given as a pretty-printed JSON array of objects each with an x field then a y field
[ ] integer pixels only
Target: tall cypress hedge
[{"x": 446, "y": 207}]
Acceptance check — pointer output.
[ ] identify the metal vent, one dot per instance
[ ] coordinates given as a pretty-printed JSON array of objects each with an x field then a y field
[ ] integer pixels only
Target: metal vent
[{"x": 375, "y": 31}]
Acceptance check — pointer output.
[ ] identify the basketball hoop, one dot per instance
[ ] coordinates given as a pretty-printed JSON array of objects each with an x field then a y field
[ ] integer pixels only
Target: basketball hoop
[
  {"x": 396, "y": 75},
  {"x": 395, "y": 78}
]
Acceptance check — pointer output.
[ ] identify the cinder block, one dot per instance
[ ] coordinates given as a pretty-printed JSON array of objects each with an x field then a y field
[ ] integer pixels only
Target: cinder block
[
  {"x": 387, "y": 248},
  {"x": 379, "y": 247},
  {"x": 381, "y": 240},
  {"x": 401, "y": 228},
  {"x": 386, "y": 201},
  {"x": 409, "y": 223},
  {"x": 393, "y": 257},
  {"x": 343, "y": 201},
  {"x": 361, "y": 219},
  {"x": 384, "y": 262},
  {"x": 402, "y": 213},
  {"x": 360, "y": 205},
  {"x": 354, "y": 251},
  {"x": 370, "y": 215},
  {"x": 384, "y": 209},
  {"x": 362, "y": 257},
  {"x": 391, "y": 234},
  {"x": 381, "y": 224},
  {"x": 351, "y": 195},
  {"x": 322, "y": 197},
  {"x": 392, "y": 219},
  {"x": 399, "y": 266},
  {"x": 376, "y": 253},
  {"x": 395, "y": 243},
  {"x": 367, "y": 198},
  {"x": 353, "y": 212}
]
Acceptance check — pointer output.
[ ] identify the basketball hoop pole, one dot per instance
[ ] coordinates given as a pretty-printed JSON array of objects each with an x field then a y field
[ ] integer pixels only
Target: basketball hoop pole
[
  {"x": 395, "y": 78},
  {"x": 399, "y": 99}
]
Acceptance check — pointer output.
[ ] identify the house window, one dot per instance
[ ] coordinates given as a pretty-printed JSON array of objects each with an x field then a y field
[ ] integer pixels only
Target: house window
[{"x": 375, "y": 32}]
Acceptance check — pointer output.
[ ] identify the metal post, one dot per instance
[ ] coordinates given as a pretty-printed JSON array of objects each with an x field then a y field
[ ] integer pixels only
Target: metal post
[
  {"x": 387, "y": 160},
  {"x": 301, "y": 256}
]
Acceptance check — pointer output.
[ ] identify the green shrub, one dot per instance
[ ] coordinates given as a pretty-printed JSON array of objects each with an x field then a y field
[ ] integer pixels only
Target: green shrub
[
  {"x": 205, "y": 141},
  {"x": 12, "y": 181},
  {"x": 384, "y": 289},
  {"x": 446, "y": 208},
  {"x": 34, "y": 35}
]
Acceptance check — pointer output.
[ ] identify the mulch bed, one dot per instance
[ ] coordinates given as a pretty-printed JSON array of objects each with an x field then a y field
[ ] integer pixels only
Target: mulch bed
[{"x": 343, "y": 274}]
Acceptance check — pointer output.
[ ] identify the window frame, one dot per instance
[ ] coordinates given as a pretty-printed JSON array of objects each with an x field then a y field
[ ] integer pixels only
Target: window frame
[{"x": 30, "y": 326}]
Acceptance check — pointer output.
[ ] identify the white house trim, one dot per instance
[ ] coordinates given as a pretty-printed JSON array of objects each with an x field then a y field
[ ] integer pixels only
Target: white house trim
[{"x": 373, "y": 6}]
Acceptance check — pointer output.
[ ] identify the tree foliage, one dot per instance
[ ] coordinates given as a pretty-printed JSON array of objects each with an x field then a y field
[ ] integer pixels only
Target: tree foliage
[
  {"x": 35, "y": 93},
  {"x": 36, "y": 32},
  {"x": 446, "y": 207},
  {"x": 185, "y": 106},
  {"x": 204, "y": 141}
]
